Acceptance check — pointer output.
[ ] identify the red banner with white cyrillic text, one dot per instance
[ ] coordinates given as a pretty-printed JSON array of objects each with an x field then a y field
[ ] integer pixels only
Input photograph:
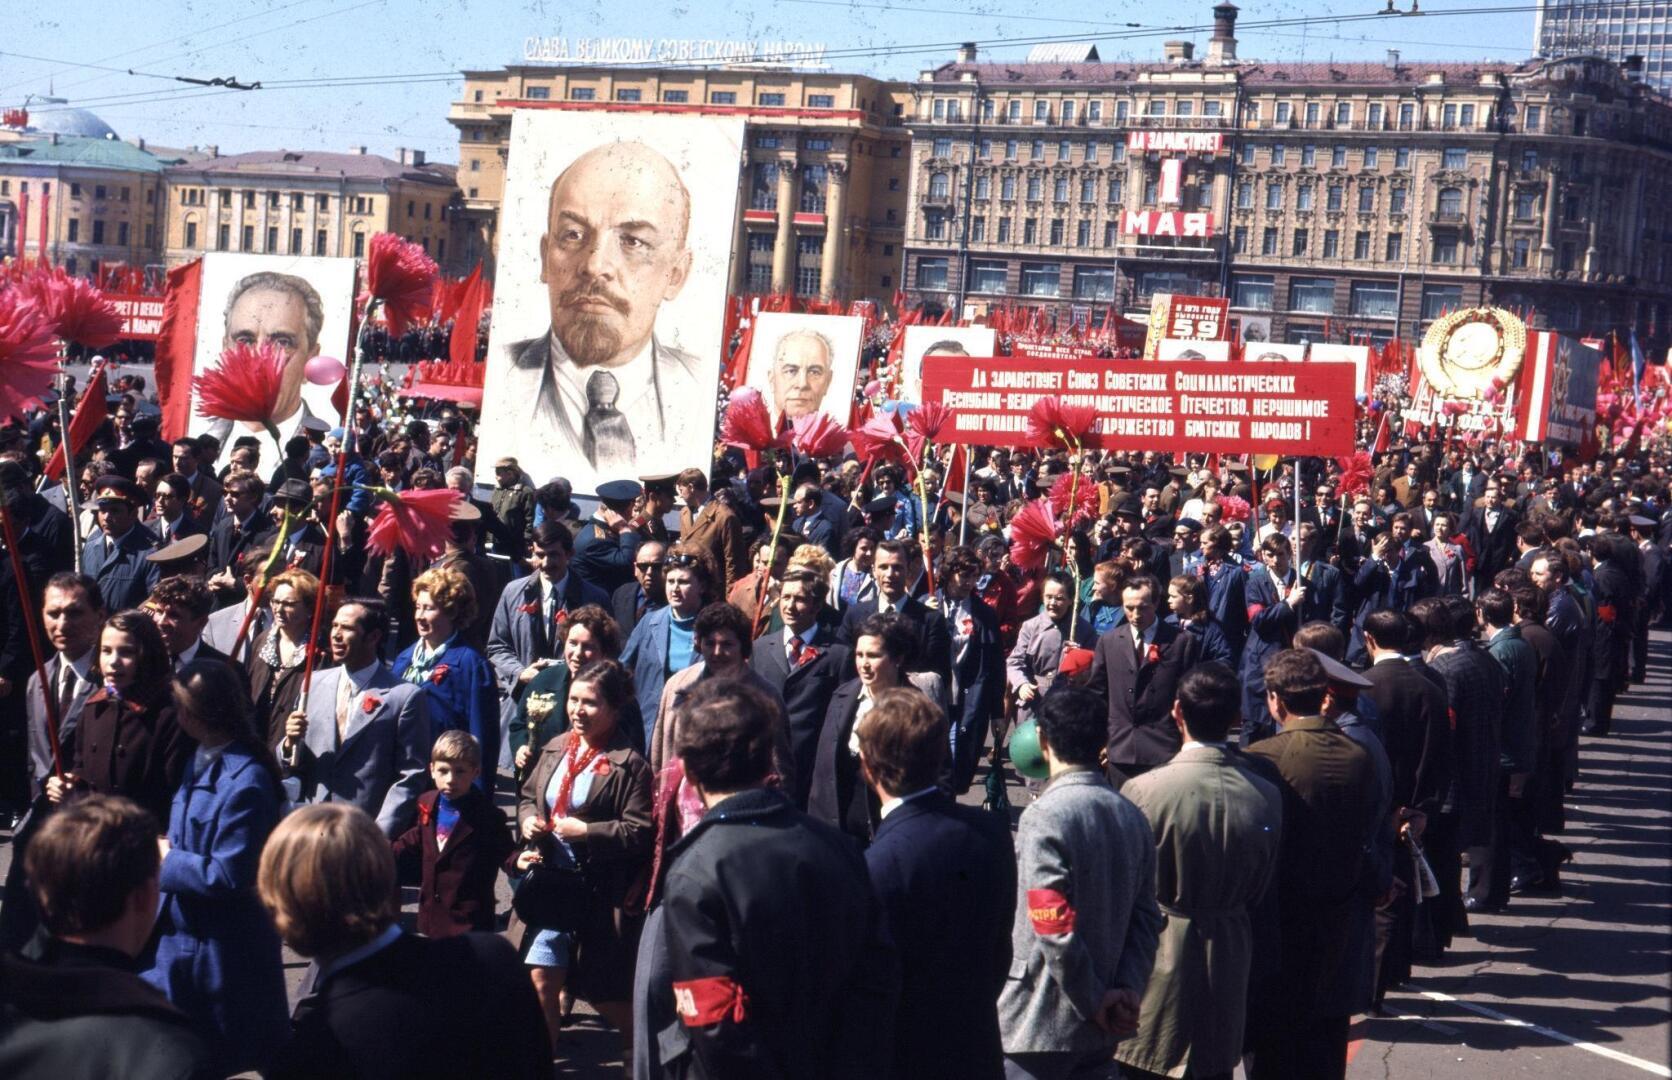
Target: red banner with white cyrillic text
[{"x": 1187, "y": 406}]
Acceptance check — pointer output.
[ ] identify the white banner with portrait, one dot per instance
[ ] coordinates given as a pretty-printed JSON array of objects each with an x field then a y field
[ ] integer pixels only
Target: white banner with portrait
[
  {"x": 924, "y": 341},
  {"x": 805, "y": 364}
]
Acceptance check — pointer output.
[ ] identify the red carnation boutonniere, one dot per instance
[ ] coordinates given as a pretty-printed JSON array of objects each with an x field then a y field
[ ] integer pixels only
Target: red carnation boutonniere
[
  {"x": 1153, "y": 656},
  {"x": 424, "y": 814},
  {"x": 530, "y": 608},
  {"x": 808, "y": 655},
  {"x": 370, "y": 704},
  {"x": 966, "y": 626},
  {"x": 602, "y": 768},
  {"x": 439, "y": 673}
]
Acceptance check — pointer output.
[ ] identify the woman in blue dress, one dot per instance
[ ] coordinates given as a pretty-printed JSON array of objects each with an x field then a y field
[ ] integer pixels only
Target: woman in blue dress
[
  {"x": 457, "y": 679},
  {"x": 218, "y": 956}
]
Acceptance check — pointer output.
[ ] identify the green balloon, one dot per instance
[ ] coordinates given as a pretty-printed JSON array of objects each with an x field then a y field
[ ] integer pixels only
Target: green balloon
[{"x": 1024, "y": 751}]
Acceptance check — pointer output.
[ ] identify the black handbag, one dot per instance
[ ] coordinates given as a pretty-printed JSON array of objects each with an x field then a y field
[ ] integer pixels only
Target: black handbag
[{"x": 553, "y": 897}]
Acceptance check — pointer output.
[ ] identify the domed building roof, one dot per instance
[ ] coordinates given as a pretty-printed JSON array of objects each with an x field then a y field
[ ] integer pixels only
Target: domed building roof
[{"x": 51, "y": 116}]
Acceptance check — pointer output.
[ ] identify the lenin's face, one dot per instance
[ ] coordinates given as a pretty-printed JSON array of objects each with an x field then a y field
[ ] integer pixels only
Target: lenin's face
[
  {"x": 801, "y": 373},
  {"x": 614, "y": 250},
  {"x": 269, "y": 316}
]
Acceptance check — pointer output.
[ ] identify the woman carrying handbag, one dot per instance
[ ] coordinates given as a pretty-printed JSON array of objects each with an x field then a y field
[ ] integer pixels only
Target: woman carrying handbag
[{"x": 586, "y": 812}]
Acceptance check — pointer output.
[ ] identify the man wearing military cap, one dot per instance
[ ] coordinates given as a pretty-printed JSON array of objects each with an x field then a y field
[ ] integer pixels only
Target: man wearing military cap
[
  {"x": 605, "y": 543},
  {"x": 114, "y": 554}
]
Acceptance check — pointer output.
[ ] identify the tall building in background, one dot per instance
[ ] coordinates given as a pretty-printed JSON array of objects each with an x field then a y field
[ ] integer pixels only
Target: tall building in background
[{"x": 1620, "y": 30}]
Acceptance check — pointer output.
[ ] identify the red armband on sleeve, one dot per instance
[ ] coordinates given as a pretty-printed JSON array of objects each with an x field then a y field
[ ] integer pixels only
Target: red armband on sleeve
[
  {"x": 701, "y": 1002},
  {"x": 1606, "y": 613},
  {"x": 1050, "y": 912},
  {"x": 1254, "y": 611}
]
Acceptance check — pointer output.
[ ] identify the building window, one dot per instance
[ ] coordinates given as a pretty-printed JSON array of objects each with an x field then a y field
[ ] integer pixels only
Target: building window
[
  {"x": 1210, "y": 108},
  {"x": 812, "y": 188},
  {"x": 938, "y": 112},
  {"x": 1030, "y": 231},
  {"x": 1036, "y": 152},
  {"x": 1285, "y": 113},
  {"x": 411, "y": 208},
  {"x": 978, "y": 230},
  {"x": 1064, "y": 150},
  {"x": 539, "y": 93},
  {"x": 1448, "y": 117},
  {"x": 1312, "y": 114},
  {"x": 1308, "y": 156},
  {"x": 582, "y": 93},
  {"x": 1279, "y": 154},
  {"x": 1274, "y": 196},
  {"x": 984, "y": 150},
  {"x": 1395, "y": 247},
  {"x": 1245, "y": 196},
  {"x": 1304, "y": 196},
  {"x": 942, "y": 148},
  {"x": 1041, "y": 112},
  {"x": 1007, "y": 188},
  {"x": 940, "y": 186},
  {"x": 1239, "y": 240},
  {"x": 319, "y": 242},
  {"x": 676, "y": 97},
  {"x": 75, "y": 191},
  {"x": 987, "y": 276},
  {"x": 1396, "y": 200},
  {"x": 322, "y": 203},
  {"x": 1332, "y": 243},
  {"x": 821, "y": 101},
  {"x": 1067, "y": 112},
  {"x": 1338, "y": 158},
  {"x": 249, "y": 200},
  {"x": 1535, "y": 118},
  {"x": 934, "y": 227},
  {"x": 1088, "y": 189},
  {"x": 1013, "y": 110},
  {"x": 1152, "y": 190},
  {"x": 809, "y": 265},
  {"x": 1526, "y": 205},
  {"x": 1407, "y": 117},
  {"x": 1082, "y": 233},
  {"x": 1366, "y": 199},
  {"x": 1117, "y": 190},
  {"x": 778, "y": 99},
  {"x": 814, "y": 142},
  {"x": 931, "y": 274},
  {"x": 1343, "y": 114},
  {"x": 1268, "y": 241},
  {"x": 1252, "y": 291},
  {"x": 75, "y": 230},
  {"x": 1297, "y": 244},
  {"x": 1315, "y": 295},
  {"x": 1466, "y": 117},
  {"x": 1402, "y": 157},
  {"x": 983, "y": 187},
  {"x": 1041, "y": 279},
  {"x": 722, "y": 97},
  {"x": 1094, "y": 112},
  {"x": 1056, "y": 232},
  {"x": 296, "y": 241},
  {"x": 1036, "y": 185},
  {"x": 191, "y": 234},
  {"x": 1094, "y": 283},
  {"x": 1059, "y": 189},
  {"x": 1445, "y": 249},
  {"x": 272, "y": 240},
  {"x": 1437, "y": 300},
  {"x": 628, "y": 93},
  {"x": 1011, "y": 148},
  {"x": 1109, "y": 234},
  {"x": 1450, "y": 204},
  {"x": 1520, "y": 249},
  {"x": 1004, "y": 230},
  {"x": 1333, "y": 197},
  {"x": 1454, "y": 158},
  {"x": 760, "y": 262},
  {"x": 1529, "y": 160},
  {"x": 1361, "y": 244},
  {"x": 223, "y": 238}
]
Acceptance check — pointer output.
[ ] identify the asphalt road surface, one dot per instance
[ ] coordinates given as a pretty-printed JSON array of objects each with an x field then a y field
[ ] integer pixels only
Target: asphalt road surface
[{"x": 1573, "y": 987}]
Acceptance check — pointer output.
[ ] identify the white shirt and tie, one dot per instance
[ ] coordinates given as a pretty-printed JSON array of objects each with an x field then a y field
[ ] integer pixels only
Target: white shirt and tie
[
  {"x": 350, "y": 685},
  {"x": 796, "y": 644}
]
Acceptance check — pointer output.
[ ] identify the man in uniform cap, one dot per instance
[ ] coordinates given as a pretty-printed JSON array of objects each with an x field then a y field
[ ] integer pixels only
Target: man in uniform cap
[
  {"x": 188, "y": 555},
  {"x": 114, "y": 554},
  {"x": 605, "y": 544},
  {"x": 658, "y": 502}
]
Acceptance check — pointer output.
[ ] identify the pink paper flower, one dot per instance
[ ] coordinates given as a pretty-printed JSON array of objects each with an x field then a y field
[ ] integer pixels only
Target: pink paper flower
[
  {"x": 28, "y": 357},
  {"x": 417, "y": 522},
  {"x": 401, "y": 276}
]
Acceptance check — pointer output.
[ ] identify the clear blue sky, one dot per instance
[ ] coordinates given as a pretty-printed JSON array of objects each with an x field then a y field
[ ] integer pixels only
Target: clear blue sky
[{"x": 273, "y": 41}]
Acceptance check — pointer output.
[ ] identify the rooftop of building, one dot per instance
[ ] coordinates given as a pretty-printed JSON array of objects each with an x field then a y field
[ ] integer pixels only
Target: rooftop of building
[
  {"x": 1251, "y": 72},
  {"x": 320, "y": 164},
  {"x": 85, "y": 151},
  {"x": 56, "y": 116}
]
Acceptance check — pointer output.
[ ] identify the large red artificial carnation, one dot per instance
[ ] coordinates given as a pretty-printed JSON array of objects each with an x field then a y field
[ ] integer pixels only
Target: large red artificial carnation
[
  {"x": 28, "y": 356},
  {"x": 879, "y": 439},
  {"x": 401, "y": 276},
  {"x": 1052, "y": 423},
  {"x": 75, "y": 308},
  {"x": 1033, "y": 535},
  {"x": 418, "y": 522},
  {"x": 923, "y": 427},
  {"x": 1086, "y": 499},
  {"x": 746, "y": 423},
  {"x": 1356, "y": 471},
  {"x": 1233, "y": 507},
  {"x": 816, "y": 435},
  {"x": 245, "y": 386}
]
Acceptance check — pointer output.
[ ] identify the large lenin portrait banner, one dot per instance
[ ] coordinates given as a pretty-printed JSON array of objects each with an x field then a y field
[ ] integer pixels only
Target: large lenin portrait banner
[
  {"x": 304, "y": 306},
  {"x": 609, "y": 305}
]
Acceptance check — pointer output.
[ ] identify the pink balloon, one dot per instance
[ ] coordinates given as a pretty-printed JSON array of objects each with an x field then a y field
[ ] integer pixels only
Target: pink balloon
[{"x": 325, "y": 371}]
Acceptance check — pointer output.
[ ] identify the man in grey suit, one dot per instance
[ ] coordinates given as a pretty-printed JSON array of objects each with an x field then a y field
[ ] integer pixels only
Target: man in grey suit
[
  {"x": 599, "y": 384},
  {"x": 365, "y": 735},
  {"x": 1086, "y": 922}
]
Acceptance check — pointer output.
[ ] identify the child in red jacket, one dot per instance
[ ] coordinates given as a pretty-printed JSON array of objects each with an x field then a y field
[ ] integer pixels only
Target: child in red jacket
[{"x": 459, "y": 842}]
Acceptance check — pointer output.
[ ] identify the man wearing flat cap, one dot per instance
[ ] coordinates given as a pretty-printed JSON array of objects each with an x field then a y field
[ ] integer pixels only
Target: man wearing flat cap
[{"x": 114, "y": 554}]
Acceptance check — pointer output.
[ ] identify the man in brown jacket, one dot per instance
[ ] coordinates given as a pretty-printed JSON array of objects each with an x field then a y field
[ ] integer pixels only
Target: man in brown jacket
[
  {"x": 712, "y": 525},
  {"x": 1296, "y": 1024}
]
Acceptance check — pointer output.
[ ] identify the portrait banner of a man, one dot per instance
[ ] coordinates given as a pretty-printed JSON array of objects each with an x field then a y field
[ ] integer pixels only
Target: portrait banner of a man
[
  {"x": 805, "y": 363},
  {"x": 302, "y": 305},
  {"x": 924, "y": 341},
  {"x": 609, "y": 302}
]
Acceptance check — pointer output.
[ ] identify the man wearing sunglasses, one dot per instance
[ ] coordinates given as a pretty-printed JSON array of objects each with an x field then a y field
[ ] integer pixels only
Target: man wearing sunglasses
[{"x": 646, "y": 592}]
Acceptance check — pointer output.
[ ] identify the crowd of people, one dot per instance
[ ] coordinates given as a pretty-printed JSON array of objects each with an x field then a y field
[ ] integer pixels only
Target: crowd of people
[{"x": 1284, "y": 733}]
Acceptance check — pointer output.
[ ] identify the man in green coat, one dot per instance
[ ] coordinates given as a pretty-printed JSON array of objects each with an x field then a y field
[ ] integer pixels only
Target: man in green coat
[{"x": 1217, "y": 826}]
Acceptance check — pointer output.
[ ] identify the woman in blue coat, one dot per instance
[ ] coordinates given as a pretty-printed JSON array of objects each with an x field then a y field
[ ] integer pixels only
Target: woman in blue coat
[
  {"x": 458, "y": 680},
  {"x": 218, "y": 956}
]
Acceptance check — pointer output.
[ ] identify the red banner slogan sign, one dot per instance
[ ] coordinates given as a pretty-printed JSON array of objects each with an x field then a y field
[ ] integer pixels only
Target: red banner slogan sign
[{"x": 1187, "y": 406}]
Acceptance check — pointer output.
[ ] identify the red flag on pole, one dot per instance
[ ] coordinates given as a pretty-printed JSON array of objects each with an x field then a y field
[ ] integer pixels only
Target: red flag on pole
[
  {"x": 461, "y": 347},
  {"x": 175, "y": 348},
  {"x": 90, "y": 412}
]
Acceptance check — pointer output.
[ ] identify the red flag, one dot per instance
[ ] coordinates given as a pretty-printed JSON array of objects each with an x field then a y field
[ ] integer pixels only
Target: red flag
[
  {"x": 1384, "y": 436},
  {"x": 462, "y": 346},
  {"x": 957, "y": 472},
  {"x": 176, "y": 346},
  {"x": 90, "y": 412}
]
